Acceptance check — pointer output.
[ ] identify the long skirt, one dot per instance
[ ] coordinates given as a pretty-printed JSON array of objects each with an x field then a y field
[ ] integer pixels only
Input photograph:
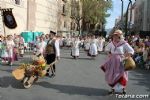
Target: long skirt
[
  {"x": 75, "y": 52},
  {"x": 100, "y": 47},
  {"x": 4, "y": 54},
  {"x": 15, "y": 54},
  {"x": 87, "y": 46},
  {"x": 93, "y": 50},
  {"x": 10, "y": 55},
  {"x": 115, "y": 75}
]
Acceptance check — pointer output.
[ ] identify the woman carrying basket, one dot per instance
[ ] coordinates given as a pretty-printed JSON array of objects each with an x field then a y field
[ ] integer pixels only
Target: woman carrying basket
[{"x": 115, "y": 74}]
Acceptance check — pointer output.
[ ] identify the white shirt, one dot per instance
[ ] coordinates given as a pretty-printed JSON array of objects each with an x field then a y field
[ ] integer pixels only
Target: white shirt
[
  {"x": 10, "y": 44},
  {"x": 57, "y": 48},
  {"x": 41, "y": 46},
  {"x": 119, "y": 50}
]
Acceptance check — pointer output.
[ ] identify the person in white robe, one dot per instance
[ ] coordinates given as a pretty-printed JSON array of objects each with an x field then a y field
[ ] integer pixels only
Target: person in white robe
[
  {"x": 68, "y": 41},
  {"x": 75, "y": 47},
  {"x": 100, "y": 44},
  {"x": 93, "y": 47},
  {"x": 10, "y": 46},
  {"x": 87, "y": 44}
]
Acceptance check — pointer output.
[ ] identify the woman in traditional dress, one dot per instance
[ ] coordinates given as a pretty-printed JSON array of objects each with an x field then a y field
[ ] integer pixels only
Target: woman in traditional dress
[
  {"x": 93, "y": 47},
  {"x": 10, "y": 46},
  {"x": 115, "y": 74},
  {"x": 100, "y": 44},
  {"x": 87, "y": 44},
  {"x": 16, "y": 47},
  {"x": 40, "y": 46},
  {"x": 75, "y": 48},
  {"x": 68, "y": 42},
  {"x": 4, "y": 54}
]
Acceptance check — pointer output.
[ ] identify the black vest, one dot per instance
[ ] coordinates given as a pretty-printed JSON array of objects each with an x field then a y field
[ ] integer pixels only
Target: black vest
[{"x": 50, "y": 47}]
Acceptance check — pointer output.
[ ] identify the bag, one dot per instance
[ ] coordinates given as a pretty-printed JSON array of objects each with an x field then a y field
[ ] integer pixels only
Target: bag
[{"x": 129, "y": 64}]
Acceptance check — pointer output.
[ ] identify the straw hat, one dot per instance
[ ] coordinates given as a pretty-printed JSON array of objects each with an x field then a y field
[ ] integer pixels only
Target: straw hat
[{"x": 118, "y": 32}]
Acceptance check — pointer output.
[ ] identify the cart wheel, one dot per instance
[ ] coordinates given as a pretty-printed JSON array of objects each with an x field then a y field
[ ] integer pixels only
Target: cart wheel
[{"x": 26, "y": 83}]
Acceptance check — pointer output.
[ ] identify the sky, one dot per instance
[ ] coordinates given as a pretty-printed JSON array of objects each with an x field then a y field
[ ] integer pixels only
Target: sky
[{"x": 115, "y": 12}]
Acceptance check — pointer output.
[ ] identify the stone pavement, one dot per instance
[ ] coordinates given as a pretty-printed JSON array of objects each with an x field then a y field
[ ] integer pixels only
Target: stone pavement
[{"x": 79, "y": 79}]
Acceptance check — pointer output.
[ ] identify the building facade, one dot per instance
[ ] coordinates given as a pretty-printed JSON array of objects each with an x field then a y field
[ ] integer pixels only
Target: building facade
[
  {"x": 141, "y": 15},
  {"x": 67, "y": 24},
  {"x": 31, "y": 15},
  {"x": 64, "y": 17},
  {"x": 20, "y": 13}
]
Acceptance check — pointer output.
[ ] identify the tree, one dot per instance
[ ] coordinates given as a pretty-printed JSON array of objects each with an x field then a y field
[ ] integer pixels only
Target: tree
[
  {"x": 95, "y": 11},
  {"x": 90, "y": 12},
  {"x": 76, "y": 13}
]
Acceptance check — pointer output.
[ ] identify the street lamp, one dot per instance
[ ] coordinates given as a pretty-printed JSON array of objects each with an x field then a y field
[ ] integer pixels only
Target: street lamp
[
  {"x": 122, "y": 11},
  {"x": 126, "y": 23}
]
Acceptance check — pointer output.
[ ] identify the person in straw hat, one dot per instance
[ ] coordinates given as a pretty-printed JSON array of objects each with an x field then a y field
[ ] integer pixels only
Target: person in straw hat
[{"x": 115, "y": 75}]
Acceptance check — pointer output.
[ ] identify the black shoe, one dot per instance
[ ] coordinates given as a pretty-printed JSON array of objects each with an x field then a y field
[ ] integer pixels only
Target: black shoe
[
  {"x": 111, "y": 92},
  {"x": 124, "y": 91}
]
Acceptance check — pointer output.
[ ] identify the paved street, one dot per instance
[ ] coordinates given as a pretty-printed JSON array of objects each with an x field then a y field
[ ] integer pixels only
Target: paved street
[{"x": 79, "y": 79}]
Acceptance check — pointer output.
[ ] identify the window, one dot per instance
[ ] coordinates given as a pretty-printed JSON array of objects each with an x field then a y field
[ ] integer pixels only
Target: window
[
  {"x": 63, "y": 9},
  {"x": 65, "y": 24},
  {"x": 17, "y": 2}
]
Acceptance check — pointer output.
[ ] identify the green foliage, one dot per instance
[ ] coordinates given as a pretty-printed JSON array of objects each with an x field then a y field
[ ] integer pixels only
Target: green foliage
[{"x": 95, "y": 11}]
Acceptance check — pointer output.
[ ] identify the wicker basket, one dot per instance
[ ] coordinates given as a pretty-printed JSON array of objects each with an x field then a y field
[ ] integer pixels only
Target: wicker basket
[
  {"x": 129, "y": 64},
  {"x": 18, "y": 73}
]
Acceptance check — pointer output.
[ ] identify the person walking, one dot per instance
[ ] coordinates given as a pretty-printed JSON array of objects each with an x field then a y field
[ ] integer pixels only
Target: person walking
[
  {"x": 75, "y": 47},
  {"x": 93, "y": 47},
  {"x": 115, "y": 74},
  {"x": 52, "y": 53},
  {"x": 10, "y": 46}
]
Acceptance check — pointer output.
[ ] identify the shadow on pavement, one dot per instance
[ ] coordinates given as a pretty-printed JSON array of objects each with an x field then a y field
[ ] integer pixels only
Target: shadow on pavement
[
  {"x": 7, "y": 81},
  {"x": 67, "y": 57},
  {"x": 142, "y": 77},
  {"x": 6, "y": 70},
  {"x": 76, "y": 59},
  {"x": 84, "y": 58},
  {"x": 74, "y": 90}
]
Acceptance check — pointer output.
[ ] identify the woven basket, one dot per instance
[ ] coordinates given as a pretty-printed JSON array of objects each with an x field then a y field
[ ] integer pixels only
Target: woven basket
[
  {"x": 129, "y": 64},
  {"x": 18, "y": 73}
]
